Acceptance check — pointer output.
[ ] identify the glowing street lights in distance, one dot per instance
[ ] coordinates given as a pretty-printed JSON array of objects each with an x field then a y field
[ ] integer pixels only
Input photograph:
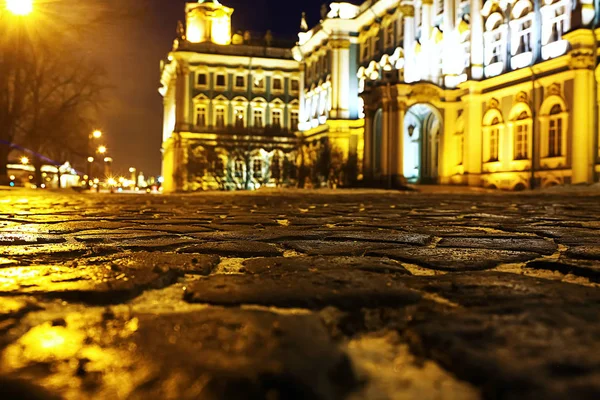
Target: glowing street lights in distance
[
  {"x": 24, "y": 160},
  {"x": 97, "y": 134},
  {"x": 20, "y": 7},
  {"x": 102, "y": 149}
]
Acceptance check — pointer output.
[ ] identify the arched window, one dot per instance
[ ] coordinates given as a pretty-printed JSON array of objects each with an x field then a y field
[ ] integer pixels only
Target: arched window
[
  {"x": 492, "y": 135},
  {"x": 521, "y": 27},
  {"x": 555, "y": 132},
  {"x": 554, "y": 124},
  {"x": 521, "y": 136},
  {"x": 495, "y": 30},
  {"x": 494, "y": 140},
  {"x": 556, "y": 20}
]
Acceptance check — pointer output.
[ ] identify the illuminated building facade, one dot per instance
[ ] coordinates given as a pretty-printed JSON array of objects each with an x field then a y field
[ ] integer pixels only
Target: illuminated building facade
[
  {"x": 496, "y": 93},
  {"x": 231, "y": 106},
  {"x": 484, "y": 93}
]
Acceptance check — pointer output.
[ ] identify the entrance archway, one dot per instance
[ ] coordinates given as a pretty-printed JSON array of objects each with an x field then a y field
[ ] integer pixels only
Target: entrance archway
[{"x": 422, "y": 131}]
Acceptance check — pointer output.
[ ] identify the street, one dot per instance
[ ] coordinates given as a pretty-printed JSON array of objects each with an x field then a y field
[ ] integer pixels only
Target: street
[{"x": 300, "y": 295}]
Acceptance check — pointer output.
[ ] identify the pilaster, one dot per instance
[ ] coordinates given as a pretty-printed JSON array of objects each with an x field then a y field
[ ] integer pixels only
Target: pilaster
[
  {"x": 582, "y": 62},
  {"x": 408, "y": 11},
  {"x": 476, "y": 40},
  {"x": 340, "y": 53},
  {"x": 473, "y": 136}
]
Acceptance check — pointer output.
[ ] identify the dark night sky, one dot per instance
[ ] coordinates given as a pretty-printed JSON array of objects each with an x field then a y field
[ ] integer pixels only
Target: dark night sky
[{"x": 131, "y": 51}]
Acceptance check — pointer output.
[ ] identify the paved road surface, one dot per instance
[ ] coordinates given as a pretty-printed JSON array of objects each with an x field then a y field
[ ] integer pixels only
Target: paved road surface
[{"x": 300, "y": 295}]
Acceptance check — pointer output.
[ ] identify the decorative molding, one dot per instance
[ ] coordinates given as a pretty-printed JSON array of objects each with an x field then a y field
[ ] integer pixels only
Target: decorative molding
[
  {"x": 493, "y": 104},
  {"x": 407, "y": 10},
  {"x": 521, "y": 97},
  {"x": 582, "y": 58},
  {"x": 554, "y": 90}
]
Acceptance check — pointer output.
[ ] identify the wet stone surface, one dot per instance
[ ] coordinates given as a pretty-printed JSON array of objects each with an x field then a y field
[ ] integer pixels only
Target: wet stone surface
[{"x": 300, "y": 295}]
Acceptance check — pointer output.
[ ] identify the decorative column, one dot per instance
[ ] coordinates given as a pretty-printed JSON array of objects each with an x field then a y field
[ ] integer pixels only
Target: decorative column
[
  {"x": 399, "y": 108},
  {"x": 476, "y": 40},
  {"x": 582, "y": 128},
  {"x": 386, "y": 147},
  {"x": 340, "y": 72},
  {"x": 473, "y": 157},
  {"x": 426, "y": 39},
  {"x": 368, "y": 148},
  {"x": 408, "y": 11},
  {"x": 182, "y": 95}
]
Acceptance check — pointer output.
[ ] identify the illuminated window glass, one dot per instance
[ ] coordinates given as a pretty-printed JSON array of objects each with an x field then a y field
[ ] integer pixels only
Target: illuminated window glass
[
  {"x": 201, "y": 117},
  {"x": 277, "y": 84},
  {"x": 522, "y": 137},
  {"x": 276, "y": 118},
  {"x": 555, "y": 133},
  {"x": 294, "y": 121},
  {"x": 494, "y": 140},
  {"x": 221, "y": 80},
  {"x": 220, "y": 117},
  {"x": 240, "y": 82},
  {"x": 258, "y": 118},
  {"x": 201, "y": 80},
  {"x": 295, "y": 85}
]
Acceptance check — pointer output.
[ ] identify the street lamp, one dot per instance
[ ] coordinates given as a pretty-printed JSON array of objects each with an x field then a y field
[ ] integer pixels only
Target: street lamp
[
  {"x": 97, "y": 134},
  {"x": 24, "y": 160},
  {"x": 20, "y": 7},
  {"x": 102, "y": 149}
]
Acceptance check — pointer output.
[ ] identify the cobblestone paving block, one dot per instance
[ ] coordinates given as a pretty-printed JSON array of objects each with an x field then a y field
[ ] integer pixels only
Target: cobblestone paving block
[
  {"x": 454, "y": 259},
  {"x": 282, "y": 265},
  {"x": 235, "y": 249},
  {"x": 566, "y": 236},
  {"x": 521, "y": 244},
  {"x": 272, "y": 235},
  {"x": 513, "y": 336},
  {"x": 108, "y": 283},
  {"x": 345, "y": 289},
  {"x": 208, "y": 354},
  {"x": 383, "y": 236},
  {"x": 332, "y": 248},
  {"x": 584, "y": 268},
  {"x": 584, "y": 252},
  {"x": 15, "y": 239}
]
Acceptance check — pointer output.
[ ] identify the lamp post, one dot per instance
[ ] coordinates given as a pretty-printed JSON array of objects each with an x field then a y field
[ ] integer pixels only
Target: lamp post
[{"x": 96, "y": 134}]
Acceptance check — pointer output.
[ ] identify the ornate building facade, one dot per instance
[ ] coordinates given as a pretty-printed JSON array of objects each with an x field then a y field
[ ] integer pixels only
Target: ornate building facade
[
  {"x": 493, "y": 93},
  {"x": 231, "y": 106}
]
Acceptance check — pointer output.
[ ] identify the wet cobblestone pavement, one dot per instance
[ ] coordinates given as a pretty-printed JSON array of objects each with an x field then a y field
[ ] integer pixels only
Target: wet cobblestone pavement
[{"x": 299, "y": 295}]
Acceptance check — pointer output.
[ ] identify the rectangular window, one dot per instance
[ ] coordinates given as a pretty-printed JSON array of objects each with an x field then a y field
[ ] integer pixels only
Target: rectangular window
[
  {"x": 239, "y": 118},
  {"x": 259, "y": 83},
  {"x": 294, "y": 121},
  {"x": 555, "y": 138},
  {"x": 201, "y": 80},
  {"x": 220, "y": 80},
  {"x": 389, "y": 36},
  {"x": 365, "y": 51},
  {"x": 201, "y": 117},
  {"x": 257, "y": 166},
  {"x": 220, "y": 117},
  {"x": 239, "y": 168},
  {"x": 240, "y": 82},
  {"x": 521, "y": 142},
  {"x": 258, "y": 118},
  {"x": 494, "y": 138},
  {"x": 277, "y": 84},
  {"x": 276, "y": 118},
  {"x": 295, "y": 85}
]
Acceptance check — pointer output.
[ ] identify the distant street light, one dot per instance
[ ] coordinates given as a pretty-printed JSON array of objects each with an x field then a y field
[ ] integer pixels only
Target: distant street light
[
  {"x": 90, "y": 159},
  {"x": 20, "y": 7},
  {"x": 97, "y": 134},
  {"x": 102, "y": 149},
  {"x": 24, "y": 160}
]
